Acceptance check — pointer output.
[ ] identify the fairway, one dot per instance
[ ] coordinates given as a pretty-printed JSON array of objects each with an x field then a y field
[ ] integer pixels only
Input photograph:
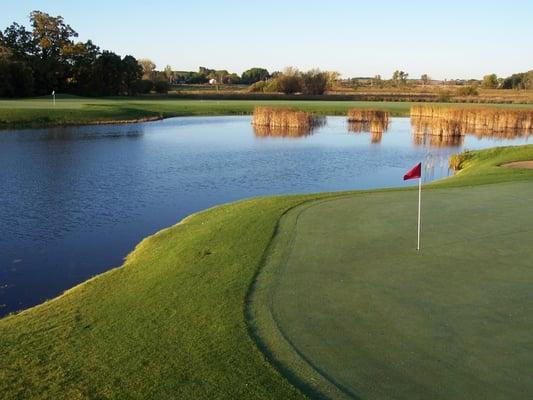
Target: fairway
[
  {"x": 354, "y": 301},
  {"x": 73, "y": 110}
]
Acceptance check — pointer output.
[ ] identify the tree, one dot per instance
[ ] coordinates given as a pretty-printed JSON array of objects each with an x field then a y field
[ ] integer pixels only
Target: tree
[
  {"x": 19, "y": 41},
  {"x": 233, "y": 79},
  {"x": 107, "y": 74},
  {"x": 333, "y": 77},
  {"x": 148, "y": 68},
  {"x": 289, "y": 81},
  {"x": 169, "y": 74},
  {"x": 425, "y": 79},
  {"x": 131, "y": 73},
  {"x": 399, "y": 77},
  {"x": 16, "y": 78},
  {"x": 253, "y": 75},
  {"x": 315, "y": 82},
  {"x": 490, "y": 81}
]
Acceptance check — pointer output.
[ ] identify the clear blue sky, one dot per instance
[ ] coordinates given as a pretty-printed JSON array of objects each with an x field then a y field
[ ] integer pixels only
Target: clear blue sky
[{"x": 445, "y": 39}]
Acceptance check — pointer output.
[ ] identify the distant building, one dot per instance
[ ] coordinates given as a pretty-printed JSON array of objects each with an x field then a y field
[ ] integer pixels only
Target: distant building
[{"x": 213, "y": 81}]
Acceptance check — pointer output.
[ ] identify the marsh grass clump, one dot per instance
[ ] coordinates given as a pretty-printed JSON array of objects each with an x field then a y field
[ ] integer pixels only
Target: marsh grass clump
[
  {"x": 285, "y": 118},
  {"x": 360, "y": 115},
  {"x": 452, "y": 121},
  {"x": 456, "y": 161}
]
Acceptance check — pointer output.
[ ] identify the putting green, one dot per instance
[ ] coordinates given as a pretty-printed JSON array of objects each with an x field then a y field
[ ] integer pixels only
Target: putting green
[{"x": 352, "y": 309}]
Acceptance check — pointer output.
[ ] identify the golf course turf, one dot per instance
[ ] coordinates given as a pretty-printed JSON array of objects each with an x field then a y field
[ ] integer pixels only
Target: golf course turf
[
  {"x": 320, "y": 295},
  {"x": 73, "y": 110}
]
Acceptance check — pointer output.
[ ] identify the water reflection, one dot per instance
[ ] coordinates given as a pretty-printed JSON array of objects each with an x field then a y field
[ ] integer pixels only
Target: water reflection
[{"x": 376, "y": 128}]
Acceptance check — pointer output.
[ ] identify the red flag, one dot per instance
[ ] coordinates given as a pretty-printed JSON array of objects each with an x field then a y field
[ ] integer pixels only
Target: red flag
[{"x": 413, "y": 173}]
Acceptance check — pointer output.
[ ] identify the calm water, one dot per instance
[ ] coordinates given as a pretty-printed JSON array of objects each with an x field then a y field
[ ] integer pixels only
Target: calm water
[{"x": 76, "y": 200}]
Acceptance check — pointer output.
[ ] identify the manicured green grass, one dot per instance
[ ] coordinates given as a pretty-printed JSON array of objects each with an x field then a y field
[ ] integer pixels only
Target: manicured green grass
[
  {"x": 71, "y": 110},
  {"x": 183, "y": 317}
]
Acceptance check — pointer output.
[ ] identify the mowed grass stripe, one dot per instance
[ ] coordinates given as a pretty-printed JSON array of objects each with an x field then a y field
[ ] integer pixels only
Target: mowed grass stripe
[{"x": 381, "y": 321}]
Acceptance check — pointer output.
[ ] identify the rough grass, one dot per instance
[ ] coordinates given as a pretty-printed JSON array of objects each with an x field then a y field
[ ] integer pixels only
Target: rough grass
[
  {"x": 71, "y": 110},
  {"x": 172, "y": 321}
]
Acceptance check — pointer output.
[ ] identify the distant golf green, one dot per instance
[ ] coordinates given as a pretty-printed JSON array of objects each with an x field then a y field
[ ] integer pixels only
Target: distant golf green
[
  {"x": 293, "y": 296},
  {"x": 72, "y": 110}
]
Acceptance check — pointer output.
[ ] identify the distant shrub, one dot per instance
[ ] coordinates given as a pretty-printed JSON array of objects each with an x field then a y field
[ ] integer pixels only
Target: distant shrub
[
  {"x": 467, "y": 91},
  {"x": 315, "y": 82},
  {"x": 161, "y": 86},
  {"x": 270, "y": 86},
  {"x": 289, "y": 84},
  {"x": 144, "y": 86},
  {"x": 444, "y": 96},
  {"x": 257, "y": 87}
]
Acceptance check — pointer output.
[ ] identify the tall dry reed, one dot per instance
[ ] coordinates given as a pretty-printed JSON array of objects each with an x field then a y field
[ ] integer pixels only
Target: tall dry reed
[
  {"x": 454, "y": 121},
  {"x": 284, "y": 117}
]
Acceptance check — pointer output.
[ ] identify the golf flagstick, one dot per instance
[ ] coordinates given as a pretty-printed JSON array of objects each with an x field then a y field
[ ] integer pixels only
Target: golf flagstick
[
  {"x": 419, "y": 205},
  {"x": 413, "y": 173}
]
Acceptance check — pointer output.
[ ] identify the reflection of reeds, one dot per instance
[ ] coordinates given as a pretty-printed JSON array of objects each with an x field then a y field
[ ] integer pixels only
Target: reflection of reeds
[
  {"x": 374, "y": 121},
  {"x": 281, "y": 131},
  {"x": 437, "y": 140},
  {"x": 453, "y": 121}
]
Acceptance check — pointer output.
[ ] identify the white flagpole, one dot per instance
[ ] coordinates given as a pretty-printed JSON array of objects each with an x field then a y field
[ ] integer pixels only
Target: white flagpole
[{"x": 419, "y": 203}]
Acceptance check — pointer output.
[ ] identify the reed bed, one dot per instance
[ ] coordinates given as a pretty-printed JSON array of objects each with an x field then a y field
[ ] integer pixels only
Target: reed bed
[
  {"x": 454, "y": 121},
  {"x": 360, "y": 115},
  {"x": 285, "y": 118}
]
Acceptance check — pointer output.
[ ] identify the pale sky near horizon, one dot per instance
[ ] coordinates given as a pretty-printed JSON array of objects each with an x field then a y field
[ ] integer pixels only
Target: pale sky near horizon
[{"x": 452, "y": 39}]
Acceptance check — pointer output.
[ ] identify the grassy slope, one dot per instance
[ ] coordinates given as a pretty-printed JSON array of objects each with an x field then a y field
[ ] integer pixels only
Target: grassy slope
[
  {"x": 74, "y": 110},
  {"x": 171, "y": 322}
]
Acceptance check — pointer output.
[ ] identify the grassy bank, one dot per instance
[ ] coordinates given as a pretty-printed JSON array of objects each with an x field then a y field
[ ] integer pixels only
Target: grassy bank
[
  {"x": 174, "y": 321},
  {"x": 78, "y": 111}
]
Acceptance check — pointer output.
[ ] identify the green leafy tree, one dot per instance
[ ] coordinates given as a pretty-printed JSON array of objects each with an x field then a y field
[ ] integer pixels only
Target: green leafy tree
[
  {"x": 131, "y": 73},
  {"x": 253, "y": 75}
]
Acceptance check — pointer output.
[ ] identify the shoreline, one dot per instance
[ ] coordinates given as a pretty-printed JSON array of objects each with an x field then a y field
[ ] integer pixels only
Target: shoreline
[{"x": 38, "y": 114}]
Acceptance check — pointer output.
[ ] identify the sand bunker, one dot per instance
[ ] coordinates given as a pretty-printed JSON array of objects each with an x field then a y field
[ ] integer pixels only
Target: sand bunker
[{"x": 519, "y": 164}]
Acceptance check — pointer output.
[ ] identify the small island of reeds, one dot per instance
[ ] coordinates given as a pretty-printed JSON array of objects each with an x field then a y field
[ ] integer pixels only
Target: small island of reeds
[
  {"x": 457, "y": 121},
  {"x": 284, "y": 122}
]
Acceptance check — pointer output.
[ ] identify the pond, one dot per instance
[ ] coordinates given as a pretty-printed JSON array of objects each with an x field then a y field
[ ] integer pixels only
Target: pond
[{"x": 76, "y": 200}]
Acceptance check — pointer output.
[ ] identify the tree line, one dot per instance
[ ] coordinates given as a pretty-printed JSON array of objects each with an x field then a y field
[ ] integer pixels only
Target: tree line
[{"x": 47, "y": 58}]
